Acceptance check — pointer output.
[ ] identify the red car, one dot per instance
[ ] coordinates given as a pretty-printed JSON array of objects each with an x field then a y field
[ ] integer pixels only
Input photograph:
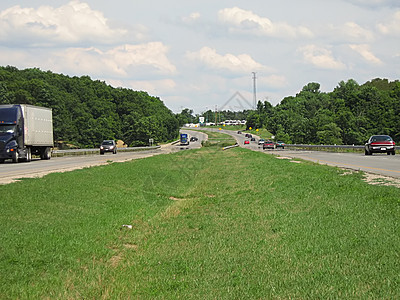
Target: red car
[
  {"x": 380, "y": 144},
  {"x": 246, "y": 142},
  {"x": 269, "y": 145}
]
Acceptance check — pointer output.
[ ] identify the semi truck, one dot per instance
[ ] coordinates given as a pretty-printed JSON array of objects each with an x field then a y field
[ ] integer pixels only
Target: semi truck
[
  {"x": 25, "y": 130},
  {"x": 184, "y": 139}
]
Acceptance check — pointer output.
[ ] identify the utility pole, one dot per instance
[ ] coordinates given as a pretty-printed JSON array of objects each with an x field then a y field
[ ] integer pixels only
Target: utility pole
[
  {"x": 254, "y": 90},
  {"x": 216, "y": 112}
]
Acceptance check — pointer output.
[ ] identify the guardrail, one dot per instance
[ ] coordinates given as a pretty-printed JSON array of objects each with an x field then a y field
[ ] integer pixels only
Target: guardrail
[
  {"x": 229, "y": 147},
  {"x": 330, "y": 147},
  {"x": 58, "y": 153}
]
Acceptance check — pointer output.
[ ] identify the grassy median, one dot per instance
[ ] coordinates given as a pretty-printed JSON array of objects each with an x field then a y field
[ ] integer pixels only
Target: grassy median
[{"x": 201, "y": 224}]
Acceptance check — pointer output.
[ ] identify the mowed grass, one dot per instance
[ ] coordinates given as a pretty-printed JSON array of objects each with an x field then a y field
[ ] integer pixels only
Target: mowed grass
[{"x": 206, "y": 224}]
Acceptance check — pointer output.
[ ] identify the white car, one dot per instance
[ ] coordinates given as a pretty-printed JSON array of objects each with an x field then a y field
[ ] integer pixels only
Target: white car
[{"x": 261, "y": 141}]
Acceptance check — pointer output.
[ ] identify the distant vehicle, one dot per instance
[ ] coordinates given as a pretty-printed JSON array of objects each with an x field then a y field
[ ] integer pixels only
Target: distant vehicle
[
  {"x": 380, "y": 144},
  {"x": 184, "y": 139},
  {"x": 253, "y": 139},
  {"x": 261, "y": 141},
  {"x": 239, "y": 132},
  {"x": 280, "y": 144},
  {"x": 25, "y": 130},
  {"x": 108, "y": 146},
  {"x": 268, "y": 145},
  {"x": 194, "y": 139},
  {"x": 246, "y": 142}
]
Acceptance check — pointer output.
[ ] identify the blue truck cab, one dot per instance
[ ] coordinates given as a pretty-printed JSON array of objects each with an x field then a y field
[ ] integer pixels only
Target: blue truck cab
[
  {"x": 184, "y": 140},
  {"x": 25, "y": 130}
]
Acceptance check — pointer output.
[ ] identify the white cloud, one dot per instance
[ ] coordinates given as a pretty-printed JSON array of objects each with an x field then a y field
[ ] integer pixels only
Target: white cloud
[
  {"x": 392, "y": 27},
  {"x": 153, "y": 87},
  {"x": 151, "y": 54},
  {"x": 364, "y": 51},
  {"x": 112, "y": 42},
  {"x": 136, "y": 61},
  {"x": 244, "y": 21},
  {"x": 133, "y": 60},
  {"x": 320, "y": 57},
  {"x": 273, "y": 81},
  {"x": 193, "y": 17},
  {"x": 352, "y": 32},
  {"x": 73, "y": 23},
  {"x": 239, "y": 64}
]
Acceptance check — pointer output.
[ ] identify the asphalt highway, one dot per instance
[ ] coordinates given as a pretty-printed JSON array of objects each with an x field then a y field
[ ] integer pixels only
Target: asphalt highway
[
  {"x": 10, "y": 172},
  {"x": 382, "y": 164}
]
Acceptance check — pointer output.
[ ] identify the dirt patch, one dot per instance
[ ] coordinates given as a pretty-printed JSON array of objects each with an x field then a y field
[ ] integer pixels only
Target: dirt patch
[
  {"x": 289, "y": 158},
  {"x": 376, "y": 179},
  {"x": 131, "y": 246},
  {"x": 114, "y": 261},
  {"x": 176, "y": 199}
]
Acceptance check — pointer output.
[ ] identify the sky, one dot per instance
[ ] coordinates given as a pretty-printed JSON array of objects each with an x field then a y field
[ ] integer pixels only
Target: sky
[{"x": 207, "y": 54}]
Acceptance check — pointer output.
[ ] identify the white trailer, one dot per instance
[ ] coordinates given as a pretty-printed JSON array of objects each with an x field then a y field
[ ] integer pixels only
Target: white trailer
[{"x": 25, "y": 130}]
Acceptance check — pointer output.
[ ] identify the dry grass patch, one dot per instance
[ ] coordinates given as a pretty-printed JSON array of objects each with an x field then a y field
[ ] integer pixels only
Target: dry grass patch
[{"x": 376, "y": 179}]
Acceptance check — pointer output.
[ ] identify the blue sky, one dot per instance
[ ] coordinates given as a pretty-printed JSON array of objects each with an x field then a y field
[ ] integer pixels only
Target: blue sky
[{"x": 198, "y": 54}]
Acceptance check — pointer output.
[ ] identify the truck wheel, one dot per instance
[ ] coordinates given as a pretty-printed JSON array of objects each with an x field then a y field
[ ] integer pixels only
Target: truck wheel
[
  {"x": 28, "y": 155},
  {"x": 15, "y": 156},
  {"x": 46, "y": 153}
]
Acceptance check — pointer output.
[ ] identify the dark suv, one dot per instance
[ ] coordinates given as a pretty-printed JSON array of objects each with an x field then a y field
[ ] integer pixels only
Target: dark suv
[
  {"x": 108, "y": 146},
  {"x": 380, "y": 144}
]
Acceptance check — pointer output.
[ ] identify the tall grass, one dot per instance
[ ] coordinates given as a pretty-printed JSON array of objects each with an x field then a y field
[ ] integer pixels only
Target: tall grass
[{"x": 206, "y": 224}]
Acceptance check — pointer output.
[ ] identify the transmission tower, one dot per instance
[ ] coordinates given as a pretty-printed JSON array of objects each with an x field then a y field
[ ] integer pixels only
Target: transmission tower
[{"x": 254, "y": 90}]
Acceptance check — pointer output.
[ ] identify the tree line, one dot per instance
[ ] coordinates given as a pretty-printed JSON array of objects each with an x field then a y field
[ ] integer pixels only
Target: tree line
[
  {"x": 347, "y": 115},
  {"x": 87, "y": 111}
]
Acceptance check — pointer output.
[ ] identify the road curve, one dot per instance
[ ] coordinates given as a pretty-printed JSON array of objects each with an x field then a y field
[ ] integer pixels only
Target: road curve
[{"x": 382, "y": 164}]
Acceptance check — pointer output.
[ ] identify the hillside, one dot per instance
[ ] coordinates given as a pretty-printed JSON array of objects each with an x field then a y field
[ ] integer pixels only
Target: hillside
[
  {"x": 86, "y": 111},
  {"x": 347, "y": 115}
]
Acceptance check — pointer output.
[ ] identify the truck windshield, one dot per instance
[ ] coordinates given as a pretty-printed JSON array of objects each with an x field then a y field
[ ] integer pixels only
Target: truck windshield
[{"x": 7, "y": 128}]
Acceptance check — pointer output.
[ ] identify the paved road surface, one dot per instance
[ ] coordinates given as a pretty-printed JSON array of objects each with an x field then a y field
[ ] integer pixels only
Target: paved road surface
[
  {"x": 383, "y": 164},
  {"x": 9, "y": 171},
  {"x": 387, "y": 165}
]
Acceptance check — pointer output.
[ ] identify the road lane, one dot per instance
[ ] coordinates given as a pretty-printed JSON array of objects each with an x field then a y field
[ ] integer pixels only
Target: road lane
[
  {"x": 10, "y": 172},
  {"x": 382, "y": 164}
]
